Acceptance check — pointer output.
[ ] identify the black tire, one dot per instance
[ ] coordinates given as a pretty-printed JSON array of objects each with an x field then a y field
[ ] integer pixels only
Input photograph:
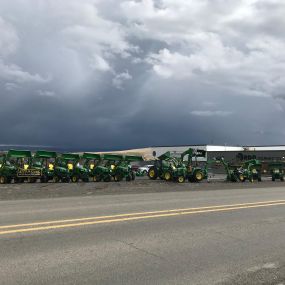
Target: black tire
[
  {"x": 44, "y": 179},
  {"x": 273, "y": 178},
  {"x": 181, "y": 179},
  {"x": 118, "y": 178},
  {"x": 97, "y": 178},
  {"x": 152, "y": 173},
  {"x": 3, "y": 179},
  {"x": 259, "y": 179},
  {"x": 198, "y": 176},
  {"x": 56, "y": 179},
  {"x": 108, "y": 178},
  {"x": 167, "y": 176},
  {"x": 133, "y": 174},
  {"x": 282, "y": 178},
  {"x": 32, "y": 180},
  {"x": 65, "y": 180},
  {"x": 18, "y": 180},
  {"x": 74, "y": 179},
  {"x": 128, "y": 177}
]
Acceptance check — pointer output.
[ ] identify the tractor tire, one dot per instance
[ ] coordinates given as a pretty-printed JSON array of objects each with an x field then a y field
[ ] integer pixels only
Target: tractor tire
[
  {"x": 133, "y": 175},
  {"x": 32, "y": 180},
  {"x": 259, "y": 179},
  {"x": 152, "y": 173},
  {"x": 181, "y": 179},
  {"x": 251, "y": 179},
  {"x": 198, "y": 176},
  {"x": 74, "y": 179},
  {"x": 18, "y": 180},
  {"x": 44, "y": 179},
  {"x": 282, "y": 178},
  {"x": 108, "y": 178},
  {"x": 241, "y": 178},
  {"x": 128, "y": 177},
  {"x": 167, "y": 176},
  {"x": 65, "y": 180},
  {"x": 273, "y": 178},
  {"x": 56, "y": 179},
  {"x": 118, "y": 178},
  {"x": 3, "y": 180},
  {"x": 97, "y": 178}
]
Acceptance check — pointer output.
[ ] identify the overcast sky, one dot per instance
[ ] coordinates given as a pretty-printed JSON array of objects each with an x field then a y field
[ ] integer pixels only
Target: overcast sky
[{"x": 111, "y": 74}]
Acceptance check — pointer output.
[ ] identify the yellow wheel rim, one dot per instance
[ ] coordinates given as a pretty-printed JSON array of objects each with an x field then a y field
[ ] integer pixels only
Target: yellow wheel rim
[
  {"x": 2, "y": 180},
  {"x": 241, "y": 177},
  {"x": 167, "y": 176},
  {"x": 74, "y": 179},
  {"x": 199, "y": 176},
  {"x": 180, "y": 179},
  {"x": 151, "y": 173},
  {"x": 94, "y": 179}
]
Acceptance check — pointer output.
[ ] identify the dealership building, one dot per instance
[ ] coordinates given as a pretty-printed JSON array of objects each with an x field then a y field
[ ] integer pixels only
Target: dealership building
[{"x": 232, "y": 154}]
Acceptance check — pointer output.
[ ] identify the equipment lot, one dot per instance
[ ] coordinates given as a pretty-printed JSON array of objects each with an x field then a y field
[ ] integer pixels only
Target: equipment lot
[{"x": 142, "y": 232}]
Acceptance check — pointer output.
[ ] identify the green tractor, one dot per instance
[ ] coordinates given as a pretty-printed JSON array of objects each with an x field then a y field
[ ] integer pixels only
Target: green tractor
[
  {"x": 234, "y": 173},
  {"x": 8, "y": 171},
  {"x": 277, "y": 170},
  {"x": 120, "y": 167},
  {"x": 51, "y": 167},
  {"x": 168, "y": 168},
  {"x": 76, "y": 170},
  {"x": 25, "y": 171},
  {"x": 194, "y": 172},
  {"x": 251, "y": 170},
  {"x": 97, "y": 169}
]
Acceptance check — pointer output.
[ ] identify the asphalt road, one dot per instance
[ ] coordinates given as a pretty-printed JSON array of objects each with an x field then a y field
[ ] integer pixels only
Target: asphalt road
[{"x": 227, "y": 236}]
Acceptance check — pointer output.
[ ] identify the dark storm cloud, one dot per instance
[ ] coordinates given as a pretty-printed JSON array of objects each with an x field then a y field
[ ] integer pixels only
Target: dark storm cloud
[{"x": 80, "y": 75}]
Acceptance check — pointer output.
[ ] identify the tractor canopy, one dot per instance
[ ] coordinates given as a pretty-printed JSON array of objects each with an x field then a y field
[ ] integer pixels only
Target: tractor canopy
[
  {"x": 70, "y": 156},
  {"x": 19, "y": 154},
  {"x": 130, "y": 158},
  {"x": 45, "y": 154},
  {"x": 92, "y": 156},
  {"x": 113, "y": 157}
]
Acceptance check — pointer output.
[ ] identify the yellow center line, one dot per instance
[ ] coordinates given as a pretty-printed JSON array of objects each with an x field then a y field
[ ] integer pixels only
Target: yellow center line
[
  {"x": 44, "y": 228},
  {"x": 134, "y": 214}
]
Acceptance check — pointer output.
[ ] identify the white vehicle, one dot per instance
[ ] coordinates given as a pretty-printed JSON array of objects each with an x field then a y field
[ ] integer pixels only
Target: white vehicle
[{"x": 145, "y": 168}]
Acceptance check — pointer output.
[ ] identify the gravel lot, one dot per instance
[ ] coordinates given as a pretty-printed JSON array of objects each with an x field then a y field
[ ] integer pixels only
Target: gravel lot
[{"x": 140, "y": 185}]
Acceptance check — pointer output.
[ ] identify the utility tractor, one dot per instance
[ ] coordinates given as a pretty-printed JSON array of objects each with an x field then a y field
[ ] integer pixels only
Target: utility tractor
[
  {"x": 51, "y": 167},
  {"x": 277, "y": 170},
  {"x": 25, "y": 171},
  {"x": 194, "y": 172},
  {"x": 251, "y": 170},
  {"x": 97, "y": 169},
  {"x": 8, "y": 171},
  {"x": 76, "y": 170},
  {"x": 120, "y": 167},
  {"x": 168, "y": 168}
]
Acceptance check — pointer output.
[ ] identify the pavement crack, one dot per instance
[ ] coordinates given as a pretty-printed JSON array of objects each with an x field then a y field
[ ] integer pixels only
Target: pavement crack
[{"x": 141, "y": 249}]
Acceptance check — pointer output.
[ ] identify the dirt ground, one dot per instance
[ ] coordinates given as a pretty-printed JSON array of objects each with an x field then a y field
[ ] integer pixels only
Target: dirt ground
[{"x": 140, "y": 185}]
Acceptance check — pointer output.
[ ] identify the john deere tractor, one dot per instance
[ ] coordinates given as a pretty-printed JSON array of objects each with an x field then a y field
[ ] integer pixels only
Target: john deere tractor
[
  {"x": 51, "y": 167},
  {"x": 251, "y": 170},
  {"x": 194, "y": 172},
  {"x": 234, "y": 173},
  {"x": 25, "y": 171},
  {"x": 120, "y": 167},
  {"x": 168, "y": 168},
  {"x": 8, "y": 171},
  {"x": 76, "y": 170},
  {"x": 277, "y": 170},
  {"x": 97, "y": 169}
]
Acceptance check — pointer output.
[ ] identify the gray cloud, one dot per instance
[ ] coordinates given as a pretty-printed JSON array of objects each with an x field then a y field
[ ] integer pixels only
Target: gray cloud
[{"x": 77, "y": 74}]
